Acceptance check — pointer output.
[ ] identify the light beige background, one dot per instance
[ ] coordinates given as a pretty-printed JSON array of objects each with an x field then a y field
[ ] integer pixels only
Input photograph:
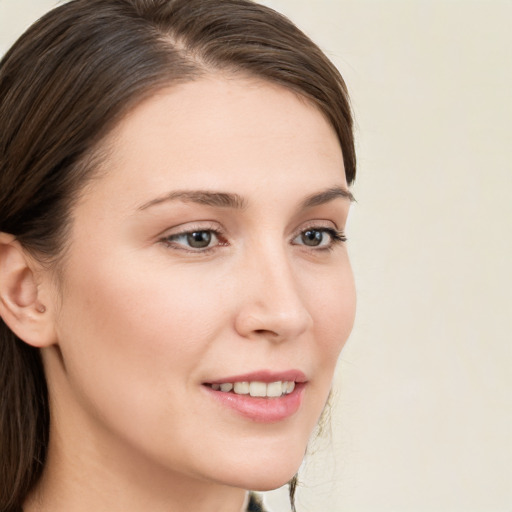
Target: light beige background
[{"x": 423, "y": 413}]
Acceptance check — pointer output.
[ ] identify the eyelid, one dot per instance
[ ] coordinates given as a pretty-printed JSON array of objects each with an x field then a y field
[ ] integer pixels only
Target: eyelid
[
  {"x": 191, "y": 227},
  {"x": 337, "y": 235},
  {"x": 317, "y": 224}
]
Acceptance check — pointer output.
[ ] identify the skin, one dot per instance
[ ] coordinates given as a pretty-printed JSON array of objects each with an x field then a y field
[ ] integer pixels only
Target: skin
[{"x": 139, "y": 323}]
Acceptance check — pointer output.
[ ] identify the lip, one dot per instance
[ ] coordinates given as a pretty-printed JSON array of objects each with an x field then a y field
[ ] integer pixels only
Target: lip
[
  {"x": 257, "y": 409},
  {"x": 266, "y": 376}
]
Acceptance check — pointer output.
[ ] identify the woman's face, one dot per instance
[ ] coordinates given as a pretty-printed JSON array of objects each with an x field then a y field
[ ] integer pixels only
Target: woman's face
[{"x": 207, "y": 251}]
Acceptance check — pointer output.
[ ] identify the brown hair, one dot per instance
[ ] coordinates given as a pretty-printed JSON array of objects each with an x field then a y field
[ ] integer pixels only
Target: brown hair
[{"x": 63, "y": 85}]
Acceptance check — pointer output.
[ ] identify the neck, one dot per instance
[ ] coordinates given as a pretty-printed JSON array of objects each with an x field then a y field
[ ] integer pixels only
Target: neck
[
  {"x": 74, "y": 491},
  {"x": 91, "y": 466},
  {"x": 84, "y": 473}
]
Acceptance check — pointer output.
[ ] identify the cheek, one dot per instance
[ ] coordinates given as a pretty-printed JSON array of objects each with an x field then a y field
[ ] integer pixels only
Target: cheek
[
  {"x": 138, "y": 333},
  {"x": 333, "y": 304}
]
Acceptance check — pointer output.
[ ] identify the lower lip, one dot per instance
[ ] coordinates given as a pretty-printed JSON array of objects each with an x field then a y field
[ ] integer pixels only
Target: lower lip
[{"x": 262, "y": 410}]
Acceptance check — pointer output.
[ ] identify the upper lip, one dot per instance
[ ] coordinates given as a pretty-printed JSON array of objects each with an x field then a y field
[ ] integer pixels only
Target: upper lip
[{"x": 264, "y": 376}]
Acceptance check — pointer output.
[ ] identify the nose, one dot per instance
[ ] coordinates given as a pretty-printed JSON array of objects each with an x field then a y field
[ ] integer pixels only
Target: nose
[{"x": 271, "y": 304}]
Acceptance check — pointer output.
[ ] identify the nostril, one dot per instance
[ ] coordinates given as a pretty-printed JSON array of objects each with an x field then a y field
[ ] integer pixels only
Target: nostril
[{"x": 266, "y": 332}]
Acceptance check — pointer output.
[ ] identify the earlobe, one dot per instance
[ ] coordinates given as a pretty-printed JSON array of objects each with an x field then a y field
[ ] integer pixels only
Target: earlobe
[{"x": 21, "y": 305}]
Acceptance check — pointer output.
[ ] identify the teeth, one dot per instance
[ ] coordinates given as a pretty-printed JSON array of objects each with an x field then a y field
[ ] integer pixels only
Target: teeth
[
  {"x": 241, "y": 388},
  {"x": 290, "y": 386},
  {"x": 257, "y": 389},
  {"x": 276, "y": 388}
]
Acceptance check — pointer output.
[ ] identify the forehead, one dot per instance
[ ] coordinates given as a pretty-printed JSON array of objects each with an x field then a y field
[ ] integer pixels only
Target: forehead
[{"x": 222, "y": 133}]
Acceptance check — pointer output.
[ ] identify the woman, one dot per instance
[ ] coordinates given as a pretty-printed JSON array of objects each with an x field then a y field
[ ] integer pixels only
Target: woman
[{"x": 174, "y": 284}]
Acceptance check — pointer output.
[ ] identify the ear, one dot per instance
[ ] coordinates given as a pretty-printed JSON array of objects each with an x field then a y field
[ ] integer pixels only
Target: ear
[{"x": 24, "y": 304}]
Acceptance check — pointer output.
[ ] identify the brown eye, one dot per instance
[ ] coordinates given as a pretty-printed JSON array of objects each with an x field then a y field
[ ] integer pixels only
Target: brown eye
[
  {"x": 320, "y": 238},
  {"x": 312, "y": 237},
  {"x": 199, "y": 239}
]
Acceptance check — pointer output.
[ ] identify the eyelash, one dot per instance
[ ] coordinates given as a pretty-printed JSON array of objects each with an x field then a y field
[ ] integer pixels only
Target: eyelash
[{"x": 336, "y": 237}]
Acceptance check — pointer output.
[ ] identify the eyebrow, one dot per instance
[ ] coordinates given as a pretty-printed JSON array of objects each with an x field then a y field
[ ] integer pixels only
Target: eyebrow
[
  {"x": 326, "y": 196},
  {"x": 215, "y": 199},
  {"x": 235, "y": 201}
]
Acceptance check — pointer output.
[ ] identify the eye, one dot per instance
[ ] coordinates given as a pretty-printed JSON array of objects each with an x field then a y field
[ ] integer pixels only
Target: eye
[
  {"x": 323, "y": 238},
  {"x": 197, "y": 240}
]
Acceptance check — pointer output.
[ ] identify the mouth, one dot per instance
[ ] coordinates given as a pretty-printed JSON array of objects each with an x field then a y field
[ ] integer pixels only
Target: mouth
[
  {"x": 262, "y": 397},
  {"x": 256, "y": 388}
]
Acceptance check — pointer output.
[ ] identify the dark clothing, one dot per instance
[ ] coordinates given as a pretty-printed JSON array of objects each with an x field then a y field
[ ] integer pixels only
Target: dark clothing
[{"x": 255, "y": 504}]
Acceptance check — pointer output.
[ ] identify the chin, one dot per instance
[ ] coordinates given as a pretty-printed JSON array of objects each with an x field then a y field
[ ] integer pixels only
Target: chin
[
  {"x": 264, "y": 479},
  {"x": 269, "y": 485},
  {"x": 265, "y": 473}
]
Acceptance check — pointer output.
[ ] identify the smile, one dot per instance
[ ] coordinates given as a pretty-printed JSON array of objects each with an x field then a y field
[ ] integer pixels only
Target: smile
[
  {"x": 262, "y": 396},
  {"x": 256, "y": 388}
]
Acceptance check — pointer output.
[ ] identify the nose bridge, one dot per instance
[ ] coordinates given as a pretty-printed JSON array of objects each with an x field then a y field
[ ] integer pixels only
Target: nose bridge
[{"x": 272, "y": 301}]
